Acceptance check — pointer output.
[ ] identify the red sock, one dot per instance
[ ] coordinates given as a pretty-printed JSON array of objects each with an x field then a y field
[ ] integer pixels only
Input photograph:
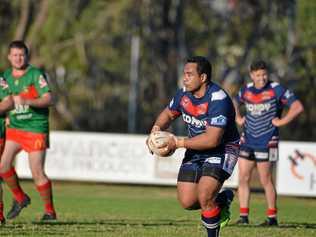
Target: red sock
[
  {"x": 1, "y": 211},
  {"x": 45, "y": 191},
  {"x": 12, "y": 181},
  {"x": 272, "y": 212},
  {"x": 244, "y": 211},
  {"x": 211, "y": 221}
]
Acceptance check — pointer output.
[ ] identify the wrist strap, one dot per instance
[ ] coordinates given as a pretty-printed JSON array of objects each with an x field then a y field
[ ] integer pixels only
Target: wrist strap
[{"x": 180, "y": 142}]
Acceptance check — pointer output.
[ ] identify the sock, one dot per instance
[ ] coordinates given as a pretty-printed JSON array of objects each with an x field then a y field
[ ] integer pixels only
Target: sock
[
  {"x": 1, "y": 211},
  {"x": 45, "y": 191},
  {"x": 244, "y": 212},
  {"x": 271, "y": 213},
  {"x": 12, "y": 181},
  {"x": 211, "y": 221}
]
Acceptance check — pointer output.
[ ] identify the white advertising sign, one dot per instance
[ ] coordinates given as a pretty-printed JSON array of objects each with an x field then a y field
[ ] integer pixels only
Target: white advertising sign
[
  {"x": 296, "y": 169},
  {"x": 115, "y": 158}
]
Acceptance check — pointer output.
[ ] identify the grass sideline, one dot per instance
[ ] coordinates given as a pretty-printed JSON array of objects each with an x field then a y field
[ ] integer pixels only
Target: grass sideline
[{"x": 88, "y": 209}]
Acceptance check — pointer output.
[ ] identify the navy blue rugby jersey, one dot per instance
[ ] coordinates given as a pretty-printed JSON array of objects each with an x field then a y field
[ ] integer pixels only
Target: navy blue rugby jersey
[
  {"x": 263, "y": 105},
  {"x": 215, "y": 108}
]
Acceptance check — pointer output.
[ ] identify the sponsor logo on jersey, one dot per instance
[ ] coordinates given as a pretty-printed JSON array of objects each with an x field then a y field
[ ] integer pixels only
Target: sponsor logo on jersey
[
  {"x": 193, "y": 121},
  {"x": 262, "y": 155},
  {"x": 20, "y": 109},
  {"x": 220, "y": 120},
  {"x": 3, "y": 83},
  {"x": 39, "y": 144},
  {"x": 288, "y": 94},
  {"x": 42, "y": 81},
  {"x": 257, "y": 109},
  {"x": 23, "y": 116},
  {"x": 213, "y": 160}
]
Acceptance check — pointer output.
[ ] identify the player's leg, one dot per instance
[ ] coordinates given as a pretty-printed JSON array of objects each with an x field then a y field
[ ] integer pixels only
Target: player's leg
[
  {"x": 187, "y": 195},
  {"x": 208, "y": 189},
  {"x": 10, "y": 177},
  {"x": 43, "y": 184},
  {"x": 224, "y": 200},
  {"x": 245, "y": 168},
  {"x": 212, "y": 179},
  {"x": 226, "y": 196},
  {"x": 2, "y": 219},
  {"x": 265, "y": 174},
  {"x": 188, "y": 177}
]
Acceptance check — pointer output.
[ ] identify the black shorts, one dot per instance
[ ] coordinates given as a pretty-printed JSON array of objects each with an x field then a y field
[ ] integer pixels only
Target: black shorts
[{"x": 193, "y": 171}]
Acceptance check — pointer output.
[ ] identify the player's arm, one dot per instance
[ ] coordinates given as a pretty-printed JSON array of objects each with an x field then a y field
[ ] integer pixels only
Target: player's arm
[
  {"x": 6, "y": 104},
  {"x": 240, "y": 119},
  {"x": 45, "y": 98},
  {"x": 164, "y": 119},
  {"x": 44, "y": 101},
  {"x": 210, "y": 139},
  {"x": 295, "y": 109}
]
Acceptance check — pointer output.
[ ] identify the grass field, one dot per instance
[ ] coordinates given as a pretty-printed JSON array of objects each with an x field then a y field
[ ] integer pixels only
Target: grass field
[{"x": 86, "y": 209}]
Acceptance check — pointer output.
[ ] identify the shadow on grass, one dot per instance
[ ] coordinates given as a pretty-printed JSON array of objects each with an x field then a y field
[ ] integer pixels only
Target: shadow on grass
[
  {"x": 117, "y": 222},
  {"x": 287, "y": 225}
]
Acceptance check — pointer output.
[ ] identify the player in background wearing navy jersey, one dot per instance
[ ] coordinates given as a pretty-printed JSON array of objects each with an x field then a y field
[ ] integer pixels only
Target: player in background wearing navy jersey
[
  {"x": 212, "y": 144},
  {"x": 264, "y": 101}
]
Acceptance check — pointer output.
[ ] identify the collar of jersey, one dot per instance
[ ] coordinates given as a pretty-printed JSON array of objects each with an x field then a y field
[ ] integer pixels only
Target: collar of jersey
[{"x": 204, "y": 97}]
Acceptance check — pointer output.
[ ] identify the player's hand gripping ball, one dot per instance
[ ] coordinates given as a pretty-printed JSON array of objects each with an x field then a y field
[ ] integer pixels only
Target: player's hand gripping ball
[{"x": 159, "y": 143}]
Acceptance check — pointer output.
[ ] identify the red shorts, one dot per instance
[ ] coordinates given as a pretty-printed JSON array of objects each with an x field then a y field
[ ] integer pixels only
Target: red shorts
[{"x": 29, "y": 141}]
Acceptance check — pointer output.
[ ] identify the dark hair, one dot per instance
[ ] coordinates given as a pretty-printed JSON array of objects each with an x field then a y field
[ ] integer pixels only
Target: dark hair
[
  {"x": 203, "y": 66},
  {"x": 258, "y": 64},
  {"x": 19, "y": 44}
]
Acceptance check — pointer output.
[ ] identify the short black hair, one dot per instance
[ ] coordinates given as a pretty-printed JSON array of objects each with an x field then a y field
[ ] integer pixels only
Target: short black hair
[
  {"x": 19, "y": 44},
  {"x": 259, "y": 65},
  {"x": 203, "y": 66}
]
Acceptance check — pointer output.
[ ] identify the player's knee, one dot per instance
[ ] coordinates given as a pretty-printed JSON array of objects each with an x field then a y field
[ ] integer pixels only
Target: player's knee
[
  {"x": 188, "y": 203},
  {"x": 188, "y": 206},
  {"x": 266, "y": 181},
  {"x": 244, "y": 179},
  {"x": 185, "y": 204},
  {"x": 206, "y": 200}
]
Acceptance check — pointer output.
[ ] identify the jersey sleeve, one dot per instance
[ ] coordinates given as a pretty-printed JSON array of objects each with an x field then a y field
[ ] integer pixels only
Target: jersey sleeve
[
  {"x": 40, "y": 83},
  {"x": 285, "y": 96},
  {"x": 174, "y": 105},
  {"x": 219, "y": 109},
  {"x": 4, "y": 88}
]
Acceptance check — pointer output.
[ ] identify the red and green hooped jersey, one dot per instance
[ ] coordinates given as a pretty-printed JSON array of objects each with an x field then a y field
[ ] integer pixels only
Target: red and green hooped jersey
[
  {"x": 4, "y": 92},
  {"x": 31, "y": 85}
]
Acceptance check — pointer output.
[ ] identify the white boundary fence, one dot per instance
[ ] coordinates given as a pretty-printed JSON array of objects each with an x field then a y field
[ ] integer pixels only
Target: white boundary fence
[
  {"x": 115, "y": 158},
  {"x": 121, "y": 158}
]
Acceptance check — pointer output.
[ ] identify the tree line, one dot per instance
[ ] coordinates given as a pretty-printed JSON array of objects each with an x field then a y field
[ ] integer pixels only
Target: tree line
[{"x": 114, "y": 65}]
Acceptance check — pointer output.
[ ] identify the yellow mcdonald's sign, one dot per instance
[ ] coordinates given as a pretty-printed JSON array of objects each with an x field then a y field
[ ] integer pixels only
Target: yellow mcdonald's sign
[{"x": 38, "y": 144}]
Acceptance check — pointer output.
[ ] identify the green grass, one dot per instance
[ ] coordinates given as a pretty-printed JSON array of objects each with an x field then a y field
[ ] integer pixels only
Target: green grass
[{"x": 86, "y": 209}]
